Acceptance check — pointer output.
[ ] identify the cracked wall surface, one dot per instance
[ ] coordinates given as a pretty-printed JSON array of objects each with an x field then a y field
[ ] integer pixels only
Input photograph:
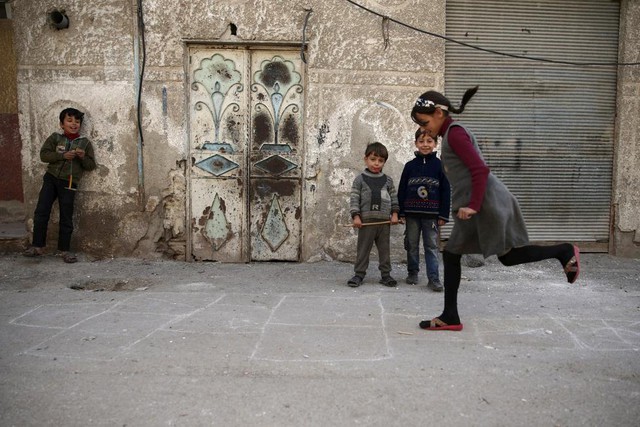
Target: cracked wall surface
[
  {"x": 358, "y": 88},
  {"x": 626, "y": 197}
]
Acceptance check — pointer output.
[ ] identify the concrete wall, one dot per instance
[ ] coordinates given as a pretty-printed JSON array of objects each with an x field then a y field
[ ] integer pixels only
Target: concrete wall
[
  {"x": 626, "y": 196},
  {"x": 356, "y": 91},
  {"x": 88, "y": 66},
  {"x": 359, "y": 92}
]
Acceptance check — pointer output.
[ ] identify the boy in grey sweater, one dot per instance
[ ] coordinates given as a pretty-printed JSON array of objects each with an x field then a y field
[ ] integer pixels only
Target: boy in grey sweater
[{"x": 374, "y": 207}]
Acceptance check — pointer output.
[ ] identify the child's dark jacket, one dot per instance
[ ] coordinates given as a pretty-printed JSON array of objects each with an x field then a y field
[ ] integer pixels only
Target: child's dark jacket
[
  {"x": 53, "y": 150},
  {"x": 424, "y": 189}
]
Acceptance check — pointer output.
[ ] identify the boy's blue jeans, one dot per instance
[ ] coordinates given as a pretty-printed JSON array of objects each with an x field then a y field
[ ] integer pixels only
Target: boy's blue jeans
[{"x": 427, "y": 227}]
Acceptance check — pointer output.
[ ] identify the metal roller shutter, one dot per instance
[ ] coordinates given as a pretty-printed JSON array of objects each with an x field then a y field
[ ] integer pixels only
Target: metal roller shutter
[{"x": 545, "y": 129}]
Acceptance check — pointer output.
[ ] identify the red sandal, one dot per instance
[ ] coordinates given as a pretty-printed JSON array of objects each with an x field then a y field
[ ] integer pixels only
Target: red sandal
[
  {"x": 572, "y": 267},
  {"x": 436, "y": 324}
]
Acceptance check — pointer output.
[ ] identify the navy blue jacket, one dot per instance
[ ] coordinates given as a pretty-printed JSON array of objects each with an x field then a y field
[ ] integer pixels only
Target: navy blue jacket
[{"x": 424, "y": 189}]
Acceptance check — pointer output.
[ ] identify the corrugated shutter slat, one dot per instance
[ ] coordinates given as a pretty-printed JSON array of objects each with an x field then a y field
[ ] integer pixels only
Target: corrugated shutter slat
[{"x": 545, "y": 129}]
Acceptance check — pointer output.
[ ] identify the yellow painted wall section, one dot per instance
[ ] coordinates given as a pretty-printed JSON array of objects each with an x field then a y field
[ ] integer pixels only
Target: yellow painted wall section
[{"x": 8, "y": 85}]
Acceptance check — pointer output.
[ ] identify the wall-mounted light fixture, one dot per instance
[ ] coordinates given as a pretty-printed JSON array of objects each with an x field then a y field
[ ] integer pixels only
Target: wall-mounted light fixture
[{"x": 59, "y": 19}]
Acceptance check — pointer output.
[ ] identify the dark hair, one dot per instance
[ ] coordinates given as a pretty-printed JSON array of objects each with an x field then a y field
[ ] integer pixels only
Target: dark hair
[
  {"x": 419, "y": 132},
  {"x": 71, "y": 112},
  {"x": 429, "y": 101},
  {"x": 378, "y": 149}
]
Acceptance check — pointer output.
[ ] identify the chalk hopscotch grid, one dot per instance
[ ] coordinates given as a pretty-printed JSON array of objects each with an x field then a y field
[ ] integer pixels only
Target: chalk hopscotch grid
[
  {"x": 600, "y": 335},
  {"x": 336, "y": 330},
  {"x": 37, "y": 350}
]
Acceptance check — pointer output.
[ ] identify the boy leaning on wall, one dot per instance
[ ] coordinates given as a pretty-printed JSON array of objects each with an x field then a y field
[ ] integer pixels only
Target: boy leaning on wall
[{"x": 67, "y": 155}]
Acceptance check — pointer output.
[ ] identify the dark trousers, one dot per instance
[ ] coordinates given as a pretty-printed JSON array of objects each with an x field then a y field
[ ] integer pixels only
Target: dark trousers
[
  {"x": 52, "y": 189},
  {"x": 367, "y": 236}
]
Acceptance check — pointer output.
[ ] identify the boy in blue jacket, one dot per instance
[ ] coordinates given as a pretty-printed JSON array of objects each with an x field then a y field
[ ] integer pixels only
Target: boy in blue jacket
[{"x": 425, "y": 199}]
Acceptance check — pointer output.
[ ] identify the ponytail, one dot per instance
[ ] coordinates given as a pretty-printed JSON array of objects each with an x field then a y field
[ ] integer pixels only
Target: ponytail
[
  {"x": 429, "y": 101},
  {"x": 465, "y": 98}
]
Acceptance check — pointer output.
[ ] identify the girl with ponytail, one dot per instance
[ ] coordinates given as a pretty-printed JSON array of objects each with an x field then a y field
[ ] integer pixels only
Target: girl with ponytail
[{"x": 487, "y": 217}]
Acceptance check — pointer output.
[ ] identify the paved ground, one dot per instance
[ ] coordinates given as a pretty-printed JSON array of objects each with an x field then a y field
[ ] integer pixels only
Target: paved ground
[{"x": 139, "y": 343}]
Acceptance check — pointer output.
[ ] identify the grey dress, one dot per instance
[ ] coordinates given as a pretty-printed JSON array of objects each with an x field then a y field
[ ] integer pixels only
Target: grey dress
[{"x": 498, "y": 226}]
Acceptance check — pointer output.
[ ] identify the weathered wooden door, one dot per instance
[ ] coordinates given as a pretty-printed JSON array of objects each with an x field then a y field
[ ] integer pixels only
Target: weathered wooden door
[{"x": 245, "y": 132}]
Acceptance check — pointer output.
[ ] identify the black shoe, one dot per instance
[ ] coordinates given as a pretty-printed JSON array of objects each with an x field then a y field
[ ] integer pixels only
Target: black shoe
[
  {"x": 435, "y": 285},
  {"x": 412, "y": 279},
  {"x": 389, "y": 281},
  {"x": 355, "y": 281}
]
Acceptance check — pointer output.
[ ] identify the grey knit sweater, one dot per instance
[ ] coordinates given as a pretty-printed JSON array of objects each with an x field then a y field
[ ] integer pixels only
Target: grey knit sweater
[{"x": 373, "y": 197}]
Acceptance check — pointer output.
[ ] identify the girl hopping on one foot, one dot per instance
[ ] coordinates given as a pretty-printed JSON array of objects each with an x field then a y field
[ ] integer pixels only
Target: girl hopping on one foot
[{"x": 487, "y": 217}]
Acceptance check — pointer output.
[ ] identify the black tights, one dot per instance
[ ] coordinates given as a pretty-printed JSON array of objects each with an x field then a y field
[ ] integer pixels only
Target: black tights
[
  {"x": 452, "y": 273},
  {"x": 526, "y": 254},
  {"x": 521, "y": 255}
]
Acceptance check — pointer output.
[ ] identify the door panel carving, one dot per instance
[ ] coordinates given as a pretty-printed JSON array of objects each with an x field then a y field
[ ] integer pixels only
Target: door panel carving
[{"x": 245, "y": 131}]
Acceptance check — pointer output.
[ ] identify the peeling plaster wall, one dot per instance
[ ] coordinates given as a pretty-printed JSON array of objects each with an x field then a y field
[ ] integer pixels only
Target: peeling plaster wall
[
  {"x": 87, "y": 66},
  {"x": 90, "y": 66},
  {"x": 359, "y": 92},
  {"x": 356, "y": 91},
  {"x": 626, "y": 197}
]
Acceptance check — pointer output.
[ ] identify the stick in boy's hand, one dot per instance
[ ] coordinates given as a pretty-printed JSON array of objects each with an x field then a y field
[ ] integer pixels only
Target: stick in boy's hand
[{"x": 364, "y": 224}]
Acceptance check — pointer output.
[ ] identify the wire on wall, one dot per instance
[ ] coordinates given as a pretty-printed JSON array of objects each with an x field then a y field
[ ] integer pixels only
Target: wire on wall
[
  {"x": 140, "y": 79},
  {"x": 304, "y": 35},
  {"x": 385, "y": 32},
  {"x": 495, "y": 52}
]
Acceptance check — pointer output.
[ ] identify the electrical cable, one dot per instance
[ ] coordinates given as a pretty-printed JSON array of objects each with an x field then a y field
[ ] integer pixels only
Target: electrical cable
[
  {"x": 495, "y": 52},
  {"x": 385, "y": 32},
  {"x": 141, "y": 31},
  {"x": 304, "y": 35},
  {"x": 144, "y": 60}
]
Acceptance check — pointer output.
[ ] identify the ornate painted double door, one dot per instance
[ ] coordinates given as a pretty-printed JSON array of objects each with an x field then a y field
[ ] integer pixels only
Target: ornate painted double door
[{"x": 245, "y": 129}]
